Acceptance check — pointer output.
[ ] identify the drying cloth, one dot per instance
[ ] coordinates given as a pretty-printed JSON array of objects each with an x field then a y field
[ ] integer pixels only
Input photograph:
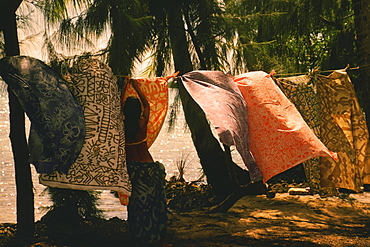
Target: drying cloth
[
  {"x": 156, "y": 92},
  {"x": 102, "y": 161},
  {"x": 147, "y": 211},
  {"x": 343, "y": 130},
  {"x": 301, "y": 91},
  {"x": 280, "y": 139},
  {"x": 57, "y": 121},
  {"x": 223, "y": 104},
  {"x": 367, "y": 166}
]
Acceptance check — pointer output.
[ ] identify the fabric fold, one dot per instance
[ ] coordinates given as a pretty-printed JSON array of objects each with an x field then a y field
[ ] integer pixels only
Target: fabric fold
[
  {"x": 220, "y": 99},
  {"x": 155, "y": 90},
  {"x": 279, "y": 137},
  {"x": 301, "y": 91},
  {"x": 102, "y": 160},
  {"x": 343, "y": 130},
  {"x": 57, "y": 121}
]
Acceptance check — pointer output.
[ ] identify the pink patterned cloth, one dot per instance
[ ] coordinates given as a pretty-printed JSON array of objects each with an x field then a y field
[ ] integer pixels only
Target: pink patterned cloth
[
  {"x": 223, "y": 104},
  {"x": 279, "y": 137}
]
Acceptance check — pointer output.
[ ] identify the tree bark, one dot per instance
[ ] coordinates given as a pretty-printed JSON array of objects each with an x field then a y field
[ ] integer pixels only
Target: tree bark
[
  {"x": 362, "y": 26},
  {"x": 210, "y": 153},
  {"x": 25, "y": 197}
]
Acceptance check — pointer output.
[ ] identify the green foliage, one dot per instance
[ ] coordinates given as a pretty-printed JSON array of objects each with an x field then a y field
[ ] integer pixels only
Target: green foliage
[
  {"x": 174, "y": 110},
  {"x": 55, "y": 10},
  {"x": 2, "y": 51},
  {"x": 76, "y": 26},
  {"x": 204, "y": 31},
  {"x": 184, "y": 197},
  {"x": 288, "y": 36},
  {"x": 72, "y": 206},
  {"x": 285, "y": 35},
  {"x": 292, "y": 35}
]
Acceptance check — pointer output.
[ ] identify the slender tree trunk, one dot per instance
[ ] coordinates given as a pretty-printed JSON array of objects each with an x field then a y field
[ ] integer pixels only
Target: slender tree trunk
[
  {"x": 362, "y": 25},
  {"x": 194, "y": 39},
  {"x": 178, "y": 40},
  {"x": 210, "y": 153},
  {"x": 25, "y": 197}
]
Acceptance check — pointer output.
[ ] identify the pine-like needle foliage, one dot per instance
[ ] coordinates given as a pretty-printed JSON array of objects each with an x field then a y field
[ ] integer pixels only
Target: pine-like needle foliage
[{"x": 72, "y": 206}]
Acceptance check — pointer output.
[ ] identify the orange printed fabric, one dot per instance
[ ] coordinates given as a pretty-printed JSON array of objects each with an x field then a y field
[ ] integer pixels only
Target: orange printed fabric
[
  {"x": 279, "y": 137},
  {"x": 155, "y": 90}
]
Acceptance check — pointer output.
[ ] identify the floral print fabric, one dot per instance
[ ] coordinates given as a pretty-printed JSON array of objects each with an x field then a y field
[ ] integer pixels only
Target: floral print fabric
[
  {"x": 57, "y": 122},
  {"x": 147, "y": 211}
]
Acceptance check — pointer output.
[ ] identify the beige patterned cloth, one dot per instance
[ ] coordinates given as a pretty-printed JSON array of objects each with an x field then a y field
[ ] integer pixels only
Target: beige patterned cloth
[
  {"x": 343, "y": 130},
  {"x": 367, "y": 166},
  {"x": 102, "y": 161}
]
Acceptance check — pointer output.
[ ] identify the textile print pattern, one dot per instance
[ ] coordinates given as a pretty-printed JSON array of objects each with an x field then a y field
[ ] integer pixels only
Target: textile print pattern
[
  {"x": 57, "y": 122},
  {"x": 279, "y": 136},
  {"x": 147, "y": 212},
  {"x": 301, "y": 91},
  {"x": 156, "y": 92},
  {"x": 102, "y": 161},
  {"x": 222, "y": 102},
  {"x": 343, "y": 130}
]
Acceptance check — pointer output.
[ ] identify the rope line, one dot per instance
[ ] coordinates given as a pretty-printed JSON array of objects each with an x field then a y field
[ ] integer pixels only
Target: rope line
[
  {"x": 323, "y": 71},
  {"x": 311, "y": 72}
]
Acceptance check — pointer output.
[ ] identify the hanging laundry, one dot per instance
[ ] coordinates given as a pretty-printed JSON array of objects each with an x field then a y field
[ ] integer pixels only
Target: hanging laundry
[
  {"x": 343, "y": 130},
  {"x": 301, "y": 91},
  {"x": 57, "y": 123},
  {"x": 155, "y": 90},
  {"x": 367, "y": 166},
  {"x": 279, "y": 137},
  {"x": 102, "y": 161},
  {"x": 220, "y": 99}
]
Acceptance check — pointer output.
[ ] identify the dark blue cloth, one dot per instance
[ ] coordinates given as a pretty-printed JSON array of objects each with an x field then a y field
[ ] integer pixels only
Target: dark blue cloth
[
  {"x": 147, "y": 211},
  {"x": 57, "y": 120}
]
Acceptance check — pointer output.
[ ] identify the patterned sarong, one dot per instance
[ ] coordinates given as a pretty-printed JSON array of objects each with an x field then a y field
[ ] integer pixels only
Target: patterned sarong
[
  {"x": 147, "y": 211},
  {"x": 301, "y": 91},
  {"x": 102, "y": 161},
  {"x": 156, "y": 92},
  {"x": 343, "y": 130},
  {"x": 280, "y": 139},
  {"x": 57, "y": 121},
  {"x": 222, "y": 102},
  {"x": 367, "y": 166}
]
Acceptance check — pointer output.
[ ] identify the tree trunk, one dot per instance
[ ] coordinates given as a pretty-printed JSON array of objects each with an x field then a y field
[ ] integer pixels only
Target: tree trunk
[
  {"x": 362, "y": 26},
  {"x": 210, "y": 153},
  {"x": 25, "y": 197}
]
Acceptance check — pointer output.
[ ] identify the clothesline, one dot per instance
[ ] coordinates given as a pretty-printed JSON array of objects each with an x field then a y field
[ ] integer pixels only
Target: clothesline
[
  {"x": 302, "y": 73},
  {"x": 324, "y": 71}
]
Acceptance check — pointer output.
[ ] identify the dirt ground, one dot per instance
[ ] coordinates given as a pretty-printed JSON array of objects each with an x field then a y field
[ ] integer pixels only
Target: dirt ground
[{"x": 286, "y": 220}]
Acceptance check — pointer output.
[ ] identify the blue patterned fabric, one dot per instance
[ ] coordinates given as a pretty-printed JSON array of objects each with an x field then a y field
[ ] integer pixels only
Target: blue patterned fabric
[
  {"x": 147, "y": 211},
  {"x": 57, "y": 120}
]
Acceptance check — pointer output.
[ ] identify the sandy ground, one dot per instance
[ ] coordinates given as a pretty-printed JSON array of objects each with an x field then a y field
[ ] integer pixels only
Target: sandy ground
[{"x": 285, "y": 220}]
